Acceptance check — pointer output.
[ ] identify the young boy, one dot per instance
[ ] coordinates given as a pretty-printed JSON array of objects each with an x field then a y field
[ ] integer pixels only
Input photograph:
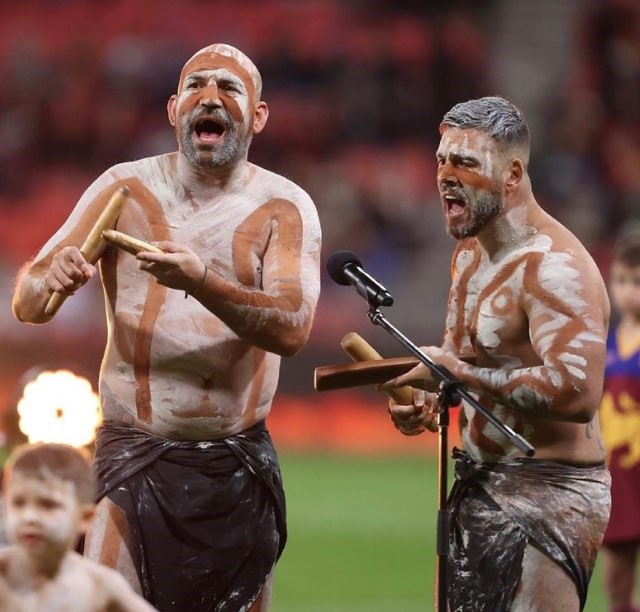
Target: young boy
[
  {"x": 49, "y": 490},
  {"x": 620, "y": 421}
]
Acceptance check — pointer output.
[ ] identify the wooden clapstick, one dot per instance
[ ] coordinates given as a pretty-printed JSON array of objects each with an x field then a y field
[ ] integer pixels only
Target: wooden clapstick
[
  {"x": 129, "y": 243},
  {"x": 89, "y": 248},
  {"x": 375, "y": 372},
  {"x": 360, "y": 350}
]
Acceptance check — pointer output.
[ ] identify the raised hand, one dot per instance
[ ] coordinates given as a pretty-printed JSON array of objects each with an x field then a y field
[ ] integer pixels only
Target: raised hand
[{"x": 69, "y": 270}]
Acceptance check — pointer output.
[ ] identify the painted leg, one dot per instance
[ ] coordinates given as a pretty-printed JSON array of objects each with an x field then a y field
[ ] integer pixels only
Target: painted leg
[
  {"x": 544, "y": 586},
  {"x": 107, "y": 542},
  {"x": 261, "y": 604}
]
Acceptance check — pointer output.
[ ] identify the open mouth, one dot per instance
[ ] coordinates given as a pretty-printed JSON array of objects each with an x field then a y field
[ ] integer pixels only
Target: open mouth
[
  {"x": 209, "y": 129},
  {"x": 454, "y": 205},
  {"x": 30, "y": 539}
]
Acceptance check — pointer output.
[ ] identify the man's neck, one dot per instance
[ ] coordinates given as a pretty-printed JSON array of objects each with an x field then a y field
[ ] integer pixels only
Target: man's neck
[
  {"x": 515, "y": 224},
  {"x": 220, "y": 179}
]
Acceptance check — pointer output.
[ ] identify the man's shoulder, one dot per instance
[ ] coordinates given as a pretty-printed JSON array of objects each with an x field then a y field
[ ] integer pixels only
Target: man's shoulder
[
  {"x": 555, "y": 252},
  {"x": 555, "y": 237},
  {"x": 561, "y": 263},
  {"x": 145, "y": 171},
  {"x": 278, "y": 186},
  {"x": 140, "y": 168},
  {"x": 558, "y": 246}
]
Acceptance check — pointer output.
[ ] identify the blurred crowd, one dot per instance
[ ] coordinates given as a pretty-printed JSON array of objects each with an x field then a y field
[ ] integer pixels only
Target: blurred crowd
[
  {"x": 587, "y": 171},
  {"x": 356, "y": 90}
]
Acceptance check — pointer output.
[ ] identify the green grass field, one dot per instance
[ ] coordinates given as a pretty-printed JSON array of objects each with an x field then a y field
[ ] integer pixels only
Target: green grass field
[{"x": 362, "y": 536}]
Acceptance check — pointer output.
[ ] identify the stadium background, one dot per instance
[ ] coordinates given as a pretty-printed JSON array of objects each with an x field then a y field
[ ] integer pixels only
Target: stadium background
[{"x": 356, "y": 89}]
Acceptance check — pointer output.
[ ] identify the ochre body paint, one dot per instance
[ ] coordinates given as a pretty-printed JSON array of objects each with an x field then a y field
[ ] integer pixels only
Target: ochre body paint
[
  {"x": 170, "y": 364},
  {"x": 527, "y": 305}
]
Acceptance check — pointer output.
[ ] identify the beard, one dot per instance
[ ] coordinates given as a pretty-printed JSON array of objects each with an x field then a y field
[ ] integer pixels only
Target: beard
[
  {"x": 485, "y": 208},
  {"x": 234, "y": 144}
]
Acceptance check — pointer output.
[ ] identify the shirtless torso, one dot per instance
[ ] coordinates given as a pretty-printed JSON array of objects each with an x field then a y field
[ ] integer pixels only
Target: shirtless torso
[
  {"x": 533, "y": 320},
  {"x": 170, "y": 367}
]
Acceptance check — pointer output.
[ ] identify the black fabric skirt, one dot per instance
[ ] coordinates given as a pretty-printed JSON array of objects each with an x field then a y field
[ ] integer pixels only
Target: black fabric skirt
[{"x": 207, "y": 518}]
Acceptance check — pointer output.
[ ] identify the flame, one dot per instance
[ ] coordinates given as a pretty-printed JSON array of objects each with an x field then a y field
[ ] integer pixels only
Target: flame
[{"x": 59, "y": 407}]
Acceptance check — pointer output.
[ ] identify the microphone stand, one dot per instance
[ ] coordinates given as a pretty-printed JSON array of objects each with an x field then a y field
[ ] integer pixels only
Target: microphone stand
[{"x": 450, "y": 393}]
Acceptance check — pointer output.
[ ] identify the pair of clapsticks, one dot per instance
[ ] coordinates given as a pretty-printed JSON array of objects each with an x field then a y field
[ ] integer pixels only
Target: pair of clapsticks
[
  {"x": 102, "y": 230},
  {"x": 370, "y": 368}
]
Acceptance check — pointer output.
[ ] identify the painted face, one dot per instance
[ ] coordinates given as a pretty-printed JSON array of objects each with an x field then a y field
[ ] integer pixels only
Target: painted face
[
  {"x": 469, "y": 180},
  {"x": 42, "y": 516},
  {"x": 215, "y": 105},
  {"x": 625, "y": 289}
]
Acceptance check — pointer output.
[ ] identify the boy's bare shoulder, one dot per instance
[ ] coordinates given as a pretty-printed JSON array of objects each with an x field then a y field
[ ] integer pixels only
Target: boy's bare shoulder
[{"x": 111, "y": 588}]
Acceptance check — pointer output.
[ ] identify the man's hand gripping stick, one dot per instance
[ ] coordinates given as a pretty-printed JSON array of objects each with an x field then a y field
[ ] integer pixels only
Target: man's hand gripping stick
[
  {"x": 360, "y": 350},
  {"x": 93, "y": 241}
]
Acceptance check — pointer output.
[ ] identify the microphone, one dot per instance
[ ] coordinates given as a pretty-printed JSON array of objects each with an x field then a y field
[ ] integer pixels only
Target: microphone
[{"x": 345, "y": 268}]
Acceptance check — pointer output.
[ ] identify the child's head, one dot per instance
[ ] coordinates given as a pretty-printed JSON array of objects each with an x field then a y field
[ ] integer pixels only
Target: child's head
[
  {"x": 625, "y": 276},
  {"x": 49, "y": 491}
]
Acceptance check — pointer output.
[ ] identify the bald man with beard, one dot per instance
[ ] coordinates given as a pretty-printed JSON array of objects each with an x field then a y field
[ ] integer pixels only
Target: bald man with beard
[{"x": 190, "y": 499}]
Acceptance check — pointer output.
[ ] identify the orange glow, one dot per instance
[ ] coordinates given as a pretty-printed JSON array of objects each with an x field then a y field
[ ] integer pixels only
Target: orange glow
[{"x": 59, "y": 407}]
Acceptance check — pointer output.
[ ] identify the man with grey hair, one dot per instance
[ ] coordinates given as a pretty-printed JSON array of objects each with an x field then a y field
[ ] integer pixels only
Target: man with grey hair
[
  {"x": 525, "y": 331},
  {"x": 191, "y": 503}
]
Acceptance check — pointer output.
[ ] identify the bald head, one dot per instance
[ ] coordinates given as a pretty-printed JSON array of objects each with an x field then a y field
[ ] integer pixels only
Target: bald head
[
  {"x": 220, "y": 55},
  {"x": 223, "y": 84}
]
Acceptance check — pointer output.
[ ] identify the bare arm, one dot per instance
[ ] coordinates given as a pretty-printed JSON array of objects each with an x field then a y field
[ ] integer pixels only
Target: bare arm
[
  {"x": 277, "y": 319},
  {"x": 60, "y": 266},
  {"x": 275, "y": 316},
  {"x": 67, "y": 272}
]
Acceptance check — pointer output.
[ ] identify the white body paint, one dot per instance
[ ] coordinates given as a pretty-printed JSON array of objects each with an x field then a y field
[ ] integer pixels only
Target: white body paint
[{"x": 190, "y": 347}]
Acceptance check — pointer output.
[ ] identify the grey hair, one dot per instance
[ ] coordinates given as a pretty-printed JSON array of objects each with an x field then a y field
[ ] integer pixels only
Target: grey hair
[{"x": 493, "y": 115}]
